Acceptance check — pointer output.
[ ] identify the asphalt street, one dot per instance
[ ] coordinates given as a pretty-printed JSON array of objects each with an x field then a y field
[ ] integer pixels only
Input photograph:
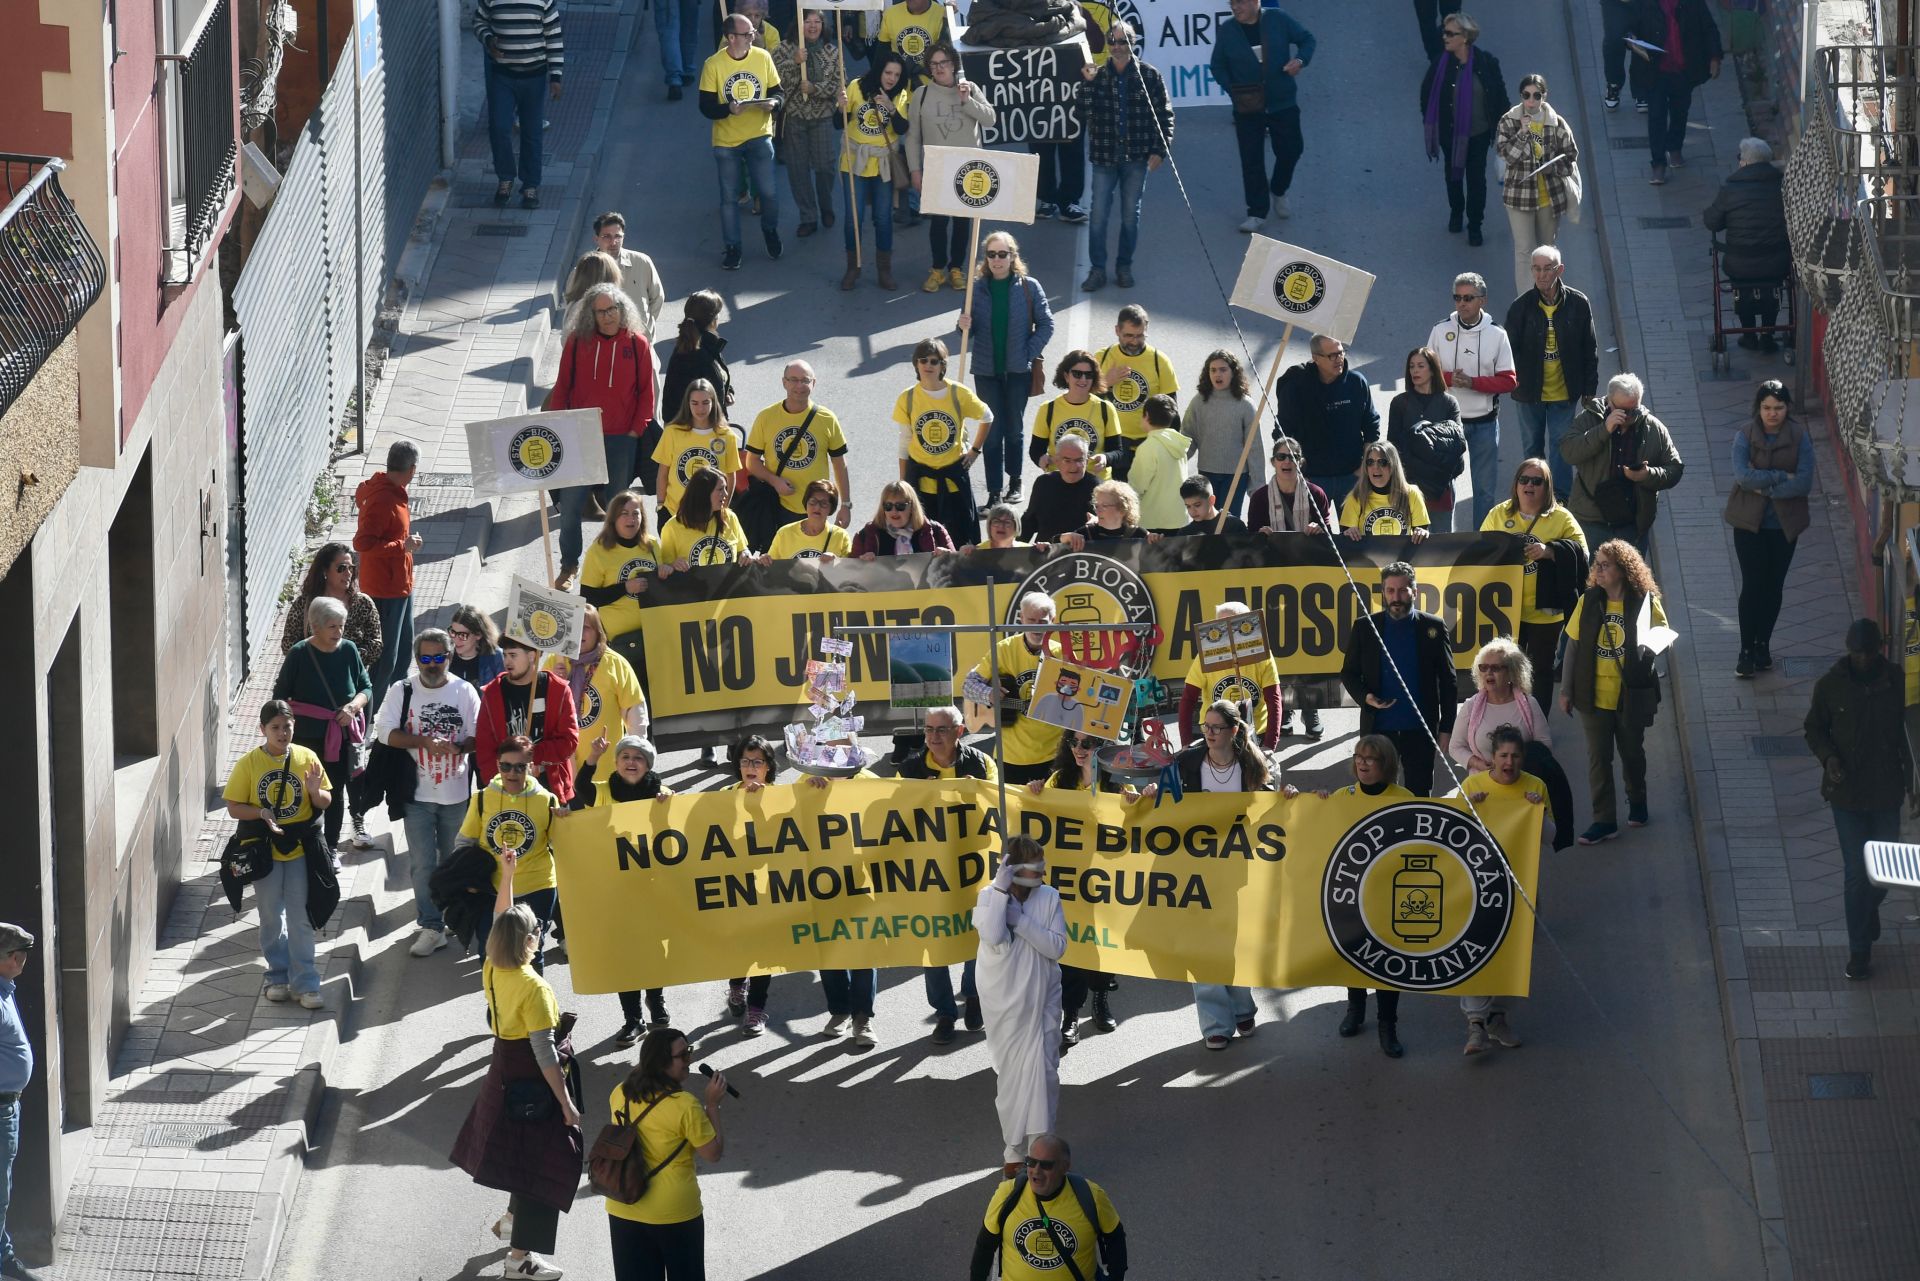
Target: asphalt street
[{"x": 1602, "y": 1148}]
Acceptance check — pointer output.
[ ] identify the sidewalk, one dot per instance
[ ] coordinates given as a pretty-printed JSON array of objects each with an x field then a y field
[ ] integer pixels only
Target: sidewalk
[
  {"x": 1825, "y": 1069},
  {"x": 192, "y": 1164}
]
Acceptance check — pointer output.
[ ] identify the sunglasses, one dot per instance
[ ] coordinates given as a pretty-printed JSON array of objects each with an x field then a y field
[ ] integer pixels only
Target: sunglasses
[
  {"x": 1531, "y": 94},
  {"x": 343, "y": 567},
  {"x": 999, "y": 253},
  {"x": 928, "y": 360},
  {"x": 1451, "y": 33},
  {"x": 1377, "y": 462},
  {"x": 943, "y": 729},
  {"x": 1088, "y": 743},
  {"x": 430, "y": 660},
  {"x": 506, "y": 768},
  {"x": 894, "y": 507},
  {"x": 1035, "y": 1163},
  {"x": 1491, "y": 668},
  {"x": 1466, "y": 297},
  {"x": 1532, "y": 482},
  {"x": 1080, "y": 373}
]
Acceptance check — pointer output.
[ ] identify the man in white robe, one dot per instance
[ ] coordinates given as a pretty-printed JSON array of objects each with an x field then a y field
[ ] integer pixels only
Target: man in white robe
[{"x": 1023, "y": 933}]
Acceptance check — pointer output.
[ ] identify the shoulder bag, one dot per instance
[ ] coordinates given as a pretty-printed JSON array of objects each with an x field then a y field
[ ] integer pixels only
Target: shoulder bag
[
  {"x": 616, "y": 1168},
  {"x": 391, "y": 774},
  {"x": 758, "y": 507},
  {"x": 1037, "y": 377},
  {"x": 356, "y": 732},
  {"x": 1251, "y": 100}
]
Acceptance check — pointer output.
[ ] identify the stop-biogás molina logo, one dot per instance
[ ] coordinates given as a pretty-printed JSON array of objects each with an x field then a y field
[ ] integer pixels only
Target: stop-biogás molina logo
[
  {"x": 1090, "y": 588},
  {"x": 1417, "y": 896}
]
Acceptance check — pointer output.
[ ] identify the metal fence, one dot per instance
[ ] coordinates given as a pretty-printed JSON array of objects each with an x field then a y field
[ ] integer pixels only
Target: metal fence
[{"x": 50, "y": 269}]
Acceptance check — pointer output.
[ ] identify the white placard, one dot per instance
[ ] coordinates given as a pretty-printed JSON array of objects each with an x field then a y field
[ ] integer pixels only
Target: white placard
[
  {"x": 1302, "y": 288},
  {"x": 1176, "y": 38},
  {"x": 552, "y": 450},
  {"x": 973, "y": 182},
  {"x": 548, "y": 620}
]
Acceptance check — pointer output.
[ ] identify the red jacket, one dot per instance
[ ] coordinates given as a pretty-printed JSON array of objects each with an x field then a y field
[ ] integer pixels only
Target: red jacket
[
  {"x": 386, "y": 565},
  {"x": 613, "y": 375},
  {"x": 553, "y": 747}
]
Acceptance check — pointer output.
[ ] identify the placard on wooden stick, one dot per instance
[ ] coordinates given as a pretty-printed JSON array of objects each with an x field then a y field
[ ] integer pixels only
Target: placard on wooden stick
[{"x": 1224, "y": 644}]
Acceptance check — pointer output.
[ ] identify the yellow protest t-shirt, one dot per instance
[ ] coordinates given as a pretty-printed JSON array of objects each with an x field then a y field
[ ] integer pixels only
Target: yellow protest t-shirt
[
  {"x": 953, "y": 770},
  {"x": 1553, "y": 375},
  {"x": 685, "y": 450},
  {"x": 775, "y": 429},
  {"x": 278, "y": 784},
  {"x": 1910, "y": 653},
  {"x": 1551, "y": 527},
  {"x": 723, "y": 544},
  {"x": 604, "y": 703},
  {"x": 1393, "y": 793},
  {"x": 868, "y": 127},
  {"x": 1026, "y": 741},
  {"x": 913, "y": 35},
  {"x": 616, "y": 566},
  {"x": 676, "y": 1122},
  {"x": 1096, "y": 423},
  {"x": 1149, "y": 374},
  {"x": 498, "y": 820},
  {"x": 1375, "y": 515},
  {"x": 1241, "y": 685},
  {"x": 520, "y": 1000},
  {"x": 933, "y": 425},
  {"x": 1027, "y": 1251},
  {"x": 1609, "y": 647},
  {"x": 1484, "y": 781},
  {"x": 793, "y": 542},
  {"x": 741, "y": 80}
]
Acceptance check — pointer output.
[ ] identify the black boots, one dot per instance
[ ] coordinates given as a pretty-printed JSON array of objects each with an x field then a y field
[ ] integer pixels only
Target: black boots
[
  {"x": 1356, "y": 1016},
  {"x": 1069, "y": 1032},
  {"x": 1103, "y": 1019},
  {"x": 1389, "y": 1042}
]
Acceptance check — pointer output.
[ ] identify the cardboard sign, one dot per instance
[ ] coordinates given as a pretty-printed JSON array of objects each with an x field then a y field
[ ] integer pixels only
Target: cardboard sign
[
  {"x": 1299, "y": 287},
  {"x": 973, "y": 182},
  {"x": 1224, "y": 644},
  {"x": 1083, "y": 699},
  {"x": 548, "y": 620},
  {"x": 1034, "y": 92},
  {"x": 920, "y": 669},
  {"x": 528, "y": 452}
]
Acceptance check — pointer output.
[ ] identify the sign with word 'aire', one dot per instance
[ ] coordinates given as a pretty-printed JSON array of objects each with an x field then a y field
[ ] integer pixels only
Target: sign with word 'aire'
[
  {"x": 972, "y": 182},
  {"x": 1034, "y": 92},
  {"x": 1176, "y": 36},
  {"x": 1301, "y": 288},
  {"x": 537, "y": 451}
]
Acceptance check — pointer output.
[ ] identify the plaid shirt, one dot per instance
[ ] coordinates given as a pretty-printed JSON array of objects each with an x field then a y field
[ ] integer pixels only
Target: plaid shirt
[
  {"x": 1514, "y": 141},
  {"x": 1146, "y": 93}
]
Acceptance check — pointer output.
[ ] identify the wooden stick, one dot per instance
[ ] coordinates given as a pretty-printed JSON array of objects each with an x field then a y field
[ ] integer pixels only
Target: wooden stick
[
  {"x": 546, "y": 540},
  {"x": 966, "y": 308},
  {"x": 846, "y": 145},
  {"x": 800, "y": 38},
  {"x": 1253, "y": 430}
]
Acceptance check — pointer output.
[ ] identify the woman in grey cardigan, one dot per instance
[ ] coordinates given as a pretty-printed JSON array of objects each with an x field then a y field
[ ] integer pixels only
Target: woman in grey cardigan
[
  {"x": 947, "y": 111},
  {"x": 1217, "y": 419}
]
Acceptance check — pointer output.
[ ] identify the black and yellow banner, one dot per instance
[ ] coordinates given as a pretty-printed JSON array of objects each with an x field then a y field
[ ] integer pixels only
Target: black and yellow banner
[
  {"x": 1252, "y": 889},
  {"x": 728, "y": 646}
]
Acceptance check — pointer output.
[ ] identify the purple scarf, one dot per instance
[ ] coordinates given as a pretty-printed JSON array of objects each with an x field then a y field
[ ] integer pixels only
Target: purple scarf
[
  {"x": 1462, "y": 111},
  {"x": 580, "y": 671}
]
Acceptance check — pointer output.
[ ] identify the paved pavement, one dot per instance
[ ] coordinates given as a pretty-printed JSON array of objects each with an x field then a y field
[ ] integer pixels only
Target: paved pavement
[{"x": 1661, "y": 1121}]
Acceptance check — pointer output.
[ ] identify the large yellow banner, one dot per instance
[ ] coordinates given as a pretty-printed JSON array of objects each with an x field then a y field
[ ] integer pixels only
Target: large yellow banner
[{"x": 1253, "y": 889}]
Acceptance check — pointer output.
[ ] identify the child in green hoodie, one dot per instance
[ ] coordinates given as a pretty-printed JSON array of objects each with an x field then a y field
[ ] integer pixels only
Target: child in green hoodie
[{"x": 1159, "y": 465}]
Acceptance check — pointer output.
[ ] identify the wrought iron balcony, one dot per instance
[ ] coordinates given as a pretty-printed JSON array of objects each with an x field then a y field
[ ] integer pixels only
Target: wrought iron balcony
[
  {"x": 50, "y": 269},
  {"x": 203, "y": 121}
]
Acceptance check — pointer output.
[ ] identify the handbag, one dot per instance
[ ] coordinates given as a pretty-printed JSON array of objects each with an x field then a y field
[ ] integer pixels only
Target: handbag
[
  {"x": 757, "y": 507},
  {"x": 1575, "y": 193},
  {"x": 616, "y": 1166},
  {"x": 356, "y": 731},
  {"x": 1251, "y": 100},
  {"x": 1037, "y": 374},
  {"x": 531, "y": 1099}
]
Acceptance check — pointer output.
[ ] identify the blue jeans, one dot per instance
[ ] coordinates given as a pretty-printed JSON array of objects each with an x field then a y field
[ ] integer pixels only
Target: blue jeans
[
  {"x": 542, "y": 902},
  {"x": 939, "y": 981},
  {"x": 1006, "y": 395},
  {"x": 1220, "y": 480},
  {"x": 850, "y": 991},
  {"x": 432, "y": 832},
  {"x": 751, "y": 160},
  {"x": 286, "y": 936},
  {"x": 396, "y": 645},
  {"x": 1598, "y": 532},
  {"x": 510, "y": 95},
  {"x": 573, "y": 499},
  {"x": 1861, "y": 896},
  {"x": 1542, "y": 424},
  {"x": 9, "y": 1149},
  {"x": 876, "y": 196},
  {"x": 1483, "y": 453},
  {"x": 1221, "y": 1007},
  {"x": 1336, "y": 487},
  {"x": 677, "y": 23},
  {"x": 1126, "y": 180}
]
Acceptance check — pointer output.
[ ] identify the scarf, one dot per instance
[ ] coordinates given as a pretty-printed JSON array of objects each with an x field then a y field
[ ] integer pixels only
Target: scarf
[
  {"x": 1462, "y": 111},
  {"x": 580, "y": 670},
  {"x": 1300, "y": 506},
  {"x": 1673, "y": 60}
]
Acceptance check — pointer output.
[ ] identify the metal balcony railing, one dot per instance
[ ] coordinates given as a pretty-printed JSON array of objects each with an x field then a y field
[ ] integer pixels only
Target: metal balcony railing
[
  {"x": 208, "y": 143},
  {"x": 50, "y": 269}
]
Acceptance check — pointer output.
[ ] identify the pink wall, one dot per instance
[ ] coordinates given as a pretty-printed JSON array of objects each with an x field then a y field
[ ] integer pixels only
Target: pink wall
[{"x": 31, "y": 48}]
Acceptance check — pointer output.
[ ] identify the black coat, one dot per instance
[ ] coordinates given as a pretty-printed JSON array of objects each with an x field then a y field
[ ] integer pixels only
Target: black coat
[
  {"x": 704, "y": 361},
  {"x": 1861, "y": 724},
  {"x": 462, "y": 888},
  {"x": 1333, "y": 437},
  {"x": 1559, "y": 579},
  {"x": 1751, "y": 218},
  {"x": 1490, "y": 84},
  {"x": 1433, "y": 684},
  {"x": 1699, "y": 40},
  {"x": 1573, "y": 328}
]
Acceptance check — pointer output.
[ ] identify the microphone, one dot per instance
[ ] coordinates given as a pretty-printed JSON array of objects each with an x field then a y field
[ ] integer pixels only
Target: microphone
[{"x": 706, "y": 1069}]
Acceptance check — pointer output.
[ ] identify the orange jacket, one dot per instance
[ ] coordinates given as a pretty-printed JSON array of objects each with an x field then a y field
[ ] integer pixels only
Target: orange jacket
[{"x": 386, "y": 566}]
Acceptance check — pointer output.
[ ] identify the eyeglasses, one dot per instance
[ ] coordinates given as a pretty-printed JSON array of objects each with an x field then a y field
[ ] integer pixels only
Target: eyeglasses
[
  {"x": 1080, "y": 373},
  {"x": 1212, "y": 728},
  {"x": 508, "y": 768},
  {"x": 682, "y": 1056},
  {"x": 943, "y": 729},
  {"x": 999, "y": 253},
  {"x": 1335, "y": 354},
  {"x": 1491, "y": 668},
  {"x": 1532, "y": 482},
  {"x": 614, "y": 310},
  {"x": 739, "y": 35},
  {"x": 459, "y": 633},
  {"x": 1466, "y": 297},
  {"x": 1035, "y": 1163},
  {"x": 430, "y": 660},
  {"x": 1530, "y": 94},
  {"x": 894, "y": 507}
]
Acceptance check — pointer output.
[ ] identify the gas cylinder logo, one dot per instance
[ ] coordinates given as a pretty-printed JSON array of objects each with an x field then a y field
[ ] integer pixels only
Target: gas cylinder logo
[{"x": 1417, "y": 896}]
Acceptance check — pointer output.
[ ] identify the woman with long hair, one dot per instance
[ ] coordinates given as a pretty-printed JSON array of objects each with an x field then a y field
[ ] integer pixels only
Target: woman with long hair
[
  {"x": 662, "y": 1236},
  {"x": 1081, "y": 412},
  {"x": 1772, "y": 476},
  {"x": 697, "y": 353},
  {"x": 1381, "y": 502},
  {"x": 697, "y": 436},
  {"x": 335, "y": 572},
  {"x": 1423, "y": 423},
  {"x": 1016, "y": 326},
  {"x": 593, "y": 268},
  {"x": 754, "y": 768},
  {"x": 1290, "y": 503},
  {"x": 900, "y": 526},
  {"x": 809, "y": 134},
  {"x": 932, "y": 415},
  {"x": 1541, "y": 155},
  {"x": 535, "y": 1160},
  {"x": 1218, "y": 419},
  {"x": 620, "y": 561},
  {"x": 876, "y": 119},
  {"x": 476, "y": 646},
  {"x": 1552, "y": 535},
  {"x": 1611, "y": 682},
  {"x": 703, "y": 531},
  {"x": 1225, "y": 760},
  {"x": 606, "y": 364}
]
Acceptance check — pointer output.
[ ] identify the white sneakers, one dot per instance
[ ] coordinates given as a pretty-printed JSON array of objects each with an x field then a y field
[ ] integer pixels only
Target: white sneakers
[
  {"x": 503, "y": 1226},
  {"x": 360, "y": 838},
  {"x": 278, "y": 992},
  {"x": 837, "y": 1025},
  {"x": 862, "y": 1035},
  {"x": 531, "y": 1268},
  {"x": 312, "y": 1001},
  {"x": 1252, "y": 224},
  {"x": 428, "y": 942}
]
